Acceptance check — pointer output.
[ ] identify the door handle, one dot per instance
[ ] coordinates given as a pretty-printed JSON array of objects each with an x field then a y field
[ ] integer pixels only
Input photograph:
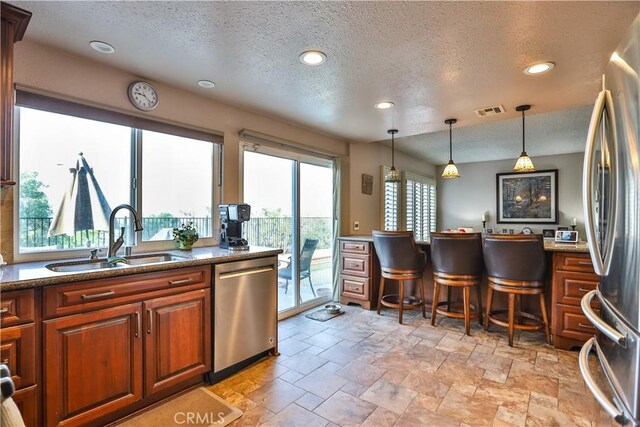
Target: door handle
[
  {"x": 583, "y": 363},
  {"x": 137, "y": 315},
  {"x": 587, "y": 190},
  {"x": 604, "y": 104},
  {"x": 149, "y": 321},
  {"x": 598, "y": 323},
  {"x": 246, "y": 272}
]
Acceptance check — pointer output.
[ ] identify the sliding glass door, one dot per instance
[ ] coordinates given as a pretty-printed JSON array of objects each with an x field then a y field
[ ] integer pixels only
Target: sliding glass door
[{"x": 291, "y": 198}]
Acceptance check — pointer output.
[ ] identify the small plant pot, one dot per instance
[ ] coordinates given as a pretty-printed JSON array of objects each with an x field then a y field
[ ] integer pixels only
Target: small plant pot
[{"x": 184, "y": 246}]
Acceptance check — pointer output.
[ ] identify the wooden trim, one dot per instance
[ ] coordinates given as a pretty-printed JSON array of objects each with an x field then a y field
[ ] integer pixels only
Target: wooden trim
[
  {"x": 19, "y": 18},
  {"x": 38, "y": 101}
]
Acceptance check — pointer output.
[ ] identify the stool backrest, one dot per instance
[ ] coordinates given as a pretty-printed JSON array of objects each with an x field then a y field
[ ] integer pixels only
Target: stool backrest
[
  {"x": 515, "y": 257},
  {"x": 457, "y": 253},
  {"x": 398, "y": 252}
]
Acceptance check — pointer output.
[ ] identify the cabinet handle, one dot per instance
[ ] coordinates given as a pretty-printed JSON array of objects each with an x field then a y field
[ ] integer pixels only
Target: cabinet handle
[
  {"x": 181, "y": 282},
  {"x": 585, "y": 262},
  {"x": 150, "y": 321},
  {"x": 100, "y": 295},
  {"x": 5, "y": 361},
  {"x": 4, "y": 310},
  {"x": 584, "y": 290},
  {"x": 586, "y": 326},
  {"x": 137, "y": 323}
]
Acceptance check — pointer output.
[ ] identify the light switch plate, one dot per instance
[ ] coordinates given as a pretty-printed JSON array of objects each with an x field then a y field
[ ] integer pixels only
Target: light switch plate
[{"x": 356, "y": 225}]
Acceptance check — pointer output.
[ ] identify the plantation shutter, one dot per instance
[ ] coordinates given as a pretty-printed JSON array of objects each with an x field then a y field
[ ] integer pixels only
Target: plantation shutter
[{"x": 420, "y": 205}]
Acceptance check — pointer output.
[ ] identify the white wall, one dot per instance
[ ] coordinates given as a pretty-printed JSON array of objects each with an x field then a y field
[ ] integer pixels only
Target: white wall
[
  {"x": 462, "y": 201},
  {"x": 367, "y": 158}
]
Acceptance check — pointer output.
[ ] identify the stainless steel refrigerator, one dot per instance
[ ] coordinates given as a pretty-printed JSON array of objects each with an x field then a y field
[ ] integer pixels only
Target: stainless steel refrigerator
[{"x": 611, "y": 184}]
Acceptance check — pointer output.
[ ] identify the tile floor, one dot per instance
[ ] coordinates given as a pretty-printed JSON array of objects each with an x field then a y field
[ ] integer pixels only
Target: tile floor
[{"x": 365, "y": 369}]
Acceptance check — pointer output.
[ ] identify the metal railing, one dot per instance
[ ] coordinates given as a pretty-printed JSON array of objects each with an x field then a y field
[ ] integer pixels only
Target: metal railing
[{"x": 270, "y": 232}]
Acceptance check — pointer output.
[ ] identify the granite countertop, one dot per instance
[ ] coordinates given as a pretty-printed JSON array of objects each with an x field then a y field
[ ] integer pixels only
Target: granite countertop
[
  {"x": 33, "y": 274},
  {"x": 549, "y": 245}
]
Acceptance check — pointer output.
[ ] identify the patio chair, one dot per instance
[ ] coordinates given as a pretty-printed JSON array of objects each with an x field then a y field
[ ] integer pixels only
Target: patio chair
[{"x": 306, "y": 254}]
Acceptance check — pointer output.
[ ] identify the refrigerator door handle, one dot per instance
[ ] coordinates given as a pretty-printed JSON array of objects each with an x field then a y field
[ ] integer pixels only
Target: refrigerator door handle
[
  {"x": 583, "y": 362},
  {"x": 603, "y": 105},
  {"x": 600, "y": 324},
  {"x": 587, "y": 190}
]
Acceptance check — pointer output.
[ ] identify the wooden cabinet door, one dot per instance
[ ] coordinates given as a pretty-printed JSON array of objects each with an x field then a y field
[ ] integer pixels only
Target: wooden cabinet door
[
  {"x": 178, "y": 338},
  {"x": 92, "y": 364}
]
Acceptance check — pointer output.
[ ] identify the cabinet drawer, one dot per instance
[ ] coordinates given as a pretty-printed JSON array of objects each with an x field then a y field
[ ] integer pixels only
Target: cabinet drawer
[
  {"x": 17, "y": 350},
  {"x": 27, "y": 402},
  {"x": 573, "y": 262},
  {"x": 84, "y": 296},
  {"x": 572, "y": 323},
  {"x": 355, "y": 247},
  {"x": 572, "y": 286},
  {"x": 16, "y": 307},
  {"x": 354, "y": 286},
  {"x": 355, "y": 265}
]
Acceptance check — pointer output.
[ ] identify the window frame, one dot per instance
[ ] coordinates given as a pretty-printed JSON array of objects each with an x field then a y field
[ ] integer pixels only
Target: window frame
[{"x": 139, "y": 246}]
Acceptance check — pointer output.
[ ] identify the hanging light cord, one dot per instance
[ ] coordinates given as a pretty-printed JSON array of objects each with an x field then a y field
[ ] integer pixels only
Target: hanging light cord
[
  {"x": 393, "y": 150},
  {"x": 523, "y": 150},
  {"x": 450, "y": 144}
]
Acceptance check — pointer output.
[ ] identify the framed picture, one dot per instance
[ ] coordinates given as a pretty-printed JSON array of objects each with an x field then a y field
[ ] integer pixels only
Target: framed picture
[
  {"x": 367, "y": 184},
  {"x": 548, "y": 232},
  {"x": 527, "y": 197}
]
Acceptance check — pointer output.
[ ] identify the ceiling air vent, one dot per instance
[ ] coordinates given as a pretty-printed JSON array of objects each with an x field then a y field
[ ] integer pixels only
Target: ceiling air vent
[{"x": 489, "y": 111}]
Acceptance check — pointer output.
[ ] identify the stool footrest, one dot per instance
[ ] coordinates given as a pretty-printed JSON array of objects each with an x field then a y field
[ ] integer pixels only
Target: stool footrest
[
  {"x": 474, "y": 311},
  {"x": 393, "y": 301}
]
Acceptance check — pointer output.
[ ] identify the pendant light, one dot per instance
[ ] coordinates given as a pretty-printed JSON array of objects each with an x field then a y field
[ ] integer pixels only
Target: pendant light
[
  {"x": 524, "y": 163},
  {"x": 393, "y": 175},
  {"x": 451, "y": 170}
]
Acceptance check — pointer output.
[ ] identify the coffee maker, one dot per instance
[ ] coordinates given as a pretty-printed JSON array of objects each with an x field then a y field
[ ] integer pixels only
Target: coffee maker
[{"x": 231, "y": 219}]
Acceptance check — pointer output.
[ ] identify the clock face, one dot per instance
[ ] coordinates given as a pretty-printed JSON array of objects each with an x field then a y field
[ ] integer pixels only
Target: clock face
[
  {"x": 143, "y": 96},
  {"x": 527, "y": 230}
]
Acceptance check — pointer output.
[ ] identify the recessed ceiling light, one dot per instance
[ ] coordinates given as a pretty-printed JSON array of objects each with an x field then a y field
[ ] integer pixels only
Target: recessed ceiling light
[
  {"x": 312, "y": 57},
  {"x": 384, "y": 105},
  {"x": 207, "y": 84},
  {"x": 539, "y": 68},
  {"x": 102, "y": 47}
]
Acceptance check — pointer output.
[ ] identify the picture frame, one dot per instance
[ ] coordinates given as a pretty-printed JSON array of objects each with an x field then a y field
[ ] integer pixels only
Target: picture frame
[
  {"x": 367, "y": 184},
  {"x": 548, "y": 233},
  {"x": 527, "y": 198}
]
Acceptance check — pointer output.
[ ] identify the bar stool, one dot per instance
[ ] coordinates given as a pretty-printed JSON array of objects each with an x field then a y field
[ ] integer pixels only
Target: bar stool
[
  {"x": 400, "y": 259},
  {"x": 457, "y": 262},
  {"x": 515, "y": 265}
]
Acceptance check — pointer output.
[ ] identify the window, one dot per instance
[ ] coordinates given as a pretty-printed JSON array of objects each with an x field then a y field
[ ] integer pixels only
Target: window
[
  {"x": 77, "y": 163},
  {"x": 420, "y": 205},
  {"x": 409, "y": 205}
]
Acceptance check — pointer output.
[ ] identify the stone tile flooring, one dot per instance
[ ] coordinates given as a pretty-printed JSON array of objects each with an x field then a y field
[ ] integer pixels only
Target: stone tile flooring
[{"x": 365, "y": 369}]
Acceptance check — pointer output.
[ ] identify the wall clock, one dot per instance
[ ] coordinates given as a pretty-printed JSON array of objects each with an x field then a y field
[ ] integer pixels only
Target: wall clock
[{"x": 143, "y": 96}]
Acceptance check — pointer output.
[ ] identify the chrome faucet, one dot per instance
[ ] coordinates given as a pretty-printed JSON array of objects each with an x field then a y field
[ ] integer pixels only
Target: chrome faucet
[{"x": 114, "y": 245}]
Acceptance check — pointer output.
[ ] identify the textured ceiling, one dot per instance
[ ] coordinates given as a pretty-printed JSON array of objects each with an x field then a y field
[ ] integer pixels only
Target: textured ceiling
[{"x": 433, "y": 59}]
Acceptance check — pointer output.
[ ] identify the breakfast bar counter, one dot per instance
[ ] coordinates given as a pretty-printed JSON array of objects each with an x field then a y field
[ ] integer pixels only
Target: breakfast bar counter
[{"x": 570, "y": 275}]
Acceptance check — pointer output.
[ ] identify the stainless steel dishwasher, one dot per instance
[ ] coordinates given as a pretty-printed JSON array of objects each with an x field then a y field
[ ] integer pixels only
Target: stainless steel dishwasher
[{"x": 245, "y": 301}]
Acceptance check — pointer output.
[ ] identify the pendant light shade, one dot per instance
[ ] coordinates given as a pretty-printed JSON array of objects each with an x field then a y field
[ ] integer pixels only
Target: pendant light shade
[
  {"x": 393, "y": 175},
  {"x": 524, "y": 163},
  {"x": 451, "y": 170}
]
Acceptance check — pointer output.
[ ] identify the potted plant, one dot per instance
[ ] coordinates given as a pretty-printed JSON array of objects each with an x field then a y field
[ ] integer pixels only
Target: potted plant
[{"x": 185, "y": 236}]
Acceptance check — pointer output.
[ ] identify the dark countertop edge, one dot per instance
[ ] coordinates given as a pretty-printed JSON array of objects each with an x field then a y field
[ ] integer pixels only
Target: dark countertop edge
[
  {"x": 550, "y": 246},
  {"x": 140, "y": 269}
]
